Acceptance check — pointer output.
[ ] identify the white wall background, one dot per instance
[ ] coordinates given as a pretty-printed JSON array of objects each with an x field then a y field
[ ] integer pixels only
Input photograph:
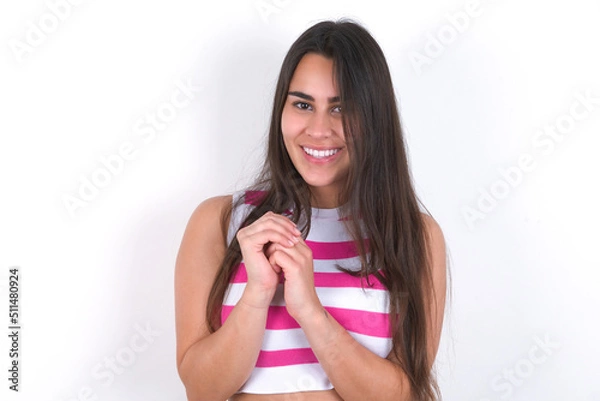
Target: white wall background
[{"x": 527, "y": 272}]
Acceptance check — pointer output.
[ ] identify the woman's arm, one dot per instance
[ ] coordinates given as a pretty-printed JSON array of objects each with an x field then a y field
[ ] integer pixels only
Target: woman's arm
[
  {"x": 355, "y": 372},
  {"x": 211, "y": 366}
]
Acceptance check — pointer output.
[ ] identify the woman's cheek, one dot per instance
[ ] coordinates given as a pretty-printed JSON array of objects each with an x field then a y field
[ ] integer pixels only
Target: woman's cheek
[{"x": 291, "y": 122}]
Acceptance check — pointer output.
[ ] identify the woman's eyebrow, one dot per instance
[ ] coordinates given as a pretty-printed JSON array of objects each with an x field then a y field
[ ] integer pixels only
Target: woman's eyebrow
[{"x": 303, "y": 95}]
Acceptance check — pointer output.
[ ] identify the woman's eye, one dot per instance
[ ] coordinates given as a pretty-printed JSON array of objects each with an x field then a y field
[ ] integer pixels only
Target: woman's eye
[
  {"x": 337, "y": 109},
  {"x": 302, "y": 105}
]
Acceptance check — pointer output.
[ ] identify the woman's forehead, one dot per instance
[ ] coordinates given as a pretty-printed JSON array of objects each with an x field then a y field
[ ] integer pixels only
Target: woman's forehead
[{"x": 314, "y": 76}]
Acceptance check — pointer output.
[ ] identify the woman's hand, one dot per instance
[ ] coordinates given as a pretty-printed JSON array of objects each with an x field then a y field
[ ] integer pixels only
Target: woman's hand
[
  {"x": 263, "y": 276},
  {"x": 296, "y": 263}
]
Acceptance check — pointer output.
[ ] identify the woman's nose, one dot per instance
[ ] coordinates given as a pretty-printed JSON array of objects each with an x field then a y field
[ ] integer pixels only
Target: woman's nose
[{"x": 319, "y": 125}]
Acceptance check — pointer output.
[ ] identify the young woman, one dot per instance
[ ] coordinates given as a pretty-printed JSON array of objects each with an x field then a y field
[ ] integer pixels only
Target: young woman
[{"x": 324, "y": 281}]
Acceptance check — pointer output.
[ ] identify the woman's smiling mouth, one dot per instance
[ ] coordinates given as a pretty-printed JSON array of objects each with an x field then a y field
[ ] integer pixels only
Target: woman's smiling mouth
[{"x": 320, "y": 154}]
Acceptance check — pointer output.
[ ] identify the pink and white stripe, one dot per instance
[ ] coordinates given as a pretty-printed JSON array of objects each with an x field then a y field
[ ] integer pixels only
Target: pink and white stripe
[{"x": 286, "y": 362}]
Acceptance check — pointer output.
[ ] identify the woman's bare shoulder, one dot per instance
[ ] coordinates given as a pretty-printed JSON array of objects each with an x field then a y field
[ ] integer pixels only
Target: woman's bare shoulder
[
  {"x": 214, "y": 204},
  {"x": 431, "y": 224},
  {"x": 210, "y": 219}
]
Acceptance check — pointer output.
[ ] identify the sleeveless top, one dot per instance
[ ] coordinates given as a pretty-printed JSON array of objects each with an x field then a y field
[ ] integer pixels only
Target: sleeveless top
[{"x": 286, "y": 363}]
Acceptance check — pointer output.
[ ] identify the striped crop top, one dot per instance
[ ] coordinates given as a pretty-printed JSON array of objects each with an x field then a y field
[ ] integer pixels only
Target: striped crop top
[{"x": 286, "y": 363}]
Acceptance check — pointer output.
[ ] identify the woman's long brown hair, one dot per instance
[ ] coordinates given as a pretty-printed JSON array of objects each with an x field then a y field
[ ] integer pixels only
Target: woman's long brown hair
[{"x": 379, "y": 190}]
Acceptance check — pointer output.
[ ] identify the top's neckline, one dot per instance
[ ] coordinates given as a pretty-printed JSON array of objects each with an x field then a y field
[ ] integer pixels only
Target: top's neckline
[{"x": 320, "y": 213}]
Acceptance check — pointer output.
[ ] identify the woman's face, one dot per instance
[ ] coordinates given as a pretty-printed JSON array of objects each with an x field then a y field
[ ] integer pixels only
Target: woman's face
[{"x": 311, "y": 123}]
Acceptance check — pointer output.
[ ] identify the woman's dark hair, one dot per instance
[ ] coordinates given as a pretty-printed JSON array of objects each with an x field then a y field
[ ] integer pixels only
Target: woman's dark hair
[{"x": 390, "y": 233}]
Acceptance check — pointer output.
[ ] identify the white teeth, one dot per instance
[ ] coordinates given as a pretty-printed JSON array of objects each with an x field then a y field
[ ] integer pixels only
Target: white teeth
[{"x": 320, "y": 153}]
